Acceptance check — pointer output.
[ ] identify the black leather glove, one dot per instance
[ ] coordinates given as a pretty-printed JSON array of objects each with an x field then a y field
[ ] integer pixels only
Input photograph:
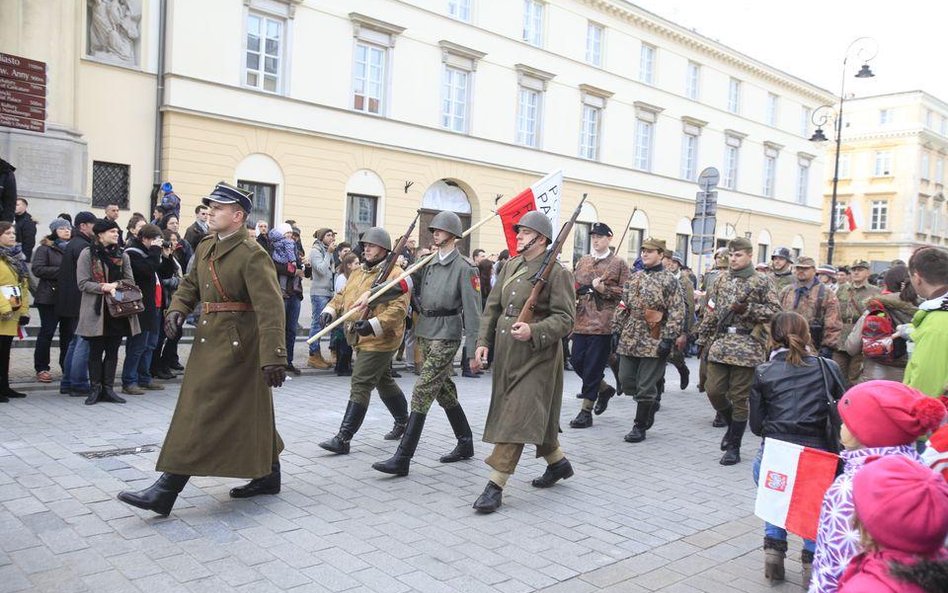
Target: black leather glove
[
  {"x": 826, "y": 352},
  {"x": 614, "y": 344},
  {"x": 325, "y": 318},
  {"x": 274, "y": 374},
  {"x": 24, "y": 319},
  {"x": 665, "y": 347},
  {"x": 739, "y": 308},
  {"x": 173, "y": 322},
  {"x": 363, "y": 328},
  {"x": 584, "y": 289}
]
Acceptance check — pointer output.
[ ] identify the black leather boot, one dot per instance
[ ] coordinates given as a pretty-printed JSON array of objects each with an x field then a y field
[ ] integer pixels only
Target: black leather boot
[
  {"x": 643, "y": 412},
  {"x": 398, "y": 407},
  {"x": 719, "y": 421},
  {"x": 490, "y": 499},
  {"x": 733, "y": 453},
  {"x": 95, "y": 392},
  {"x": 351, "y": 421},
  {"x": 159, "y": 497},
  {"x": 684, "y": 375},
  {"x": 268, "y": 484},
  {"x": 606, "y": 392},
  {"x": 555, "y": 472},
  {"x": 462, "y": 432},
  {"x": 108, "y": 382},
  {"x": 614, "y": 365},
  {"x": 582, "y": 420},
  {"x": 727, "y": 416},
  {"x": 399, "y": 463}
]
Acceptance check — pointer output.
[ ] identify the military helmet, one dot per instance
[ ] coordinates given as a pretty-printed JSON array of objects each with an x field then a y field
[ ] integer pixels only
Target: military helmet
[
  {"x": 377, "y": 236},
  {"x": 784, "y": 253},
  {"x": 721, "y": 255},
  {"x": 448, "y": 222},
  {"x": 536, "y": 221}
]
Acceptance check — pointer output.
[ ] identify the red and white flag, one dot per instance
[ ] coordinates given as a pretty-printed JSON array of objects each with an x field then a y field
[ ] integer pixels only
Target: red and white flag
[
  {"x": 544, "y": 195},
  {"x": 793, "y": 480},
  {"x": 853, "y": 217}
]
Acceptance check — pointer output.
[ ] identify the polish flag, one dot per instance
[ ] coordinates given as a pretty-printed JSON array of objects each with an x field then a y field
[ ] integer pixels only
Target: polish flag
[
  {"x": 853, "y": 216},
  {"x": 793, "y": 480},
  {"x": 544, "y": 195}
]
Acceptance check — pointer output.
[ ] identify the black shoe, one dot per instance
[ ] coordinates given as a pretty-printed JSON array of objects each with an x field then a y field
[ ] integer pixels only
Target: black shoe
[
  {"x": 582, "y": 420},
  {"x": 108, "y": 395},
  {"x": 292, "y": 369},
  {"x": 561, "y": 470},
  {"x": 732, "y": 455},
  {"x": 490, "y": 499},
  {"x": 602, "y": 401},
  {"x": 726, "y": 416},
  {"x": 4, "y": 399},
  {"x": 94, "y": 395},
  {"x": 159, "y": 497},
  {"x": 470, "y": 375},
  {"x": 351, "y": 421},
  {"x": 176, "y": 366},
  {"x": 685, "y": 374},
  {"x": 13, "y": 393},
  {"x": 268, "y": 484},
  {"x": 719, "y": 421},
  {"x": 399, "y": 463},
  {"x": 643, "y": 415},
  {"x": 398, "y": 407},
  {"x": 162, "y": 374},
  {"x": 64, "y": 390},
  {"x": 636, "y": 435},
  {"x": 462, "y": 432}
]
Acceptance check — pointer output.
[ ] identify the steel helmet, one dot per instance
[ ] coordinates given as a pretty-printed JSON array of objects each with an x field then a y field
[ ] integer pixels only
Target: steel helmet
[
  {"x": 448, "y": 222},
  {"x": 784, "y": 253},
  {"x": 536, "y": 221},
  {"x": 377, "y": 236}
]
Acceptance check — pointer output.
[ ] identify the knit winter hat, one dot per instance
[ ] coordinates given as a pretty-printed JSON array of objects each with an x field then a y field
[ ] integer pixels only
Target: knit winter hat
[
  {"x": 283, "y": 228},
  {"x": 888, "y": 414},
  {"x": 104, "y": 224},
  {"x": 59, "y": 223},
  {"x": 84, "y": 217},
  {"x": 902, "y": 504},
  {"x": 319, "y": 234}
]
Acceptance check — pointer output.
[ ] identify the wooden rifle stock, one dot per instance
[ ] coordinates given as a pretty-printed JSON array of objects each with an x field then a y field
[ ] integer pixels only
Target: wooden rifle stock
[
  {"x": 546, "y": 268},
  {"x": 391, "y": 260}
]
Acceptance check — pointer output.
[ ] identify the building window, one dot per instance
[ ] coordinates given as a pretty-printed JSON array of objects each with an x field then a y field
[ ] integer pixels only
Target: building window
[
  {"x": 885, "y": 116},
  {"x": 589, "y": 134},
  {"x": 732, "y": 148},
  {"x": 528, "y": 117},
  {"x": 636, "y": 236},
  {"x": 643, "y": 145},
  {"x": 929, "y": 119},
  {"x": 110, "y": 184},
  {"x": 264, "y": 201},
  {"x": 460, "y": 9},
  {"x": 944, "y": 126},
  {"x": 581, "y": 240},
  {"x": 455, "y": 97},
  {"x": 594, "y": 35},
  {"x": 924, "y": 166},
  {"x": 681, "y": 246},
  {"x": 647, "y": 64},
  {"x": 374, "y": 40},
  {"x": 734, "y": 96},
  {"x": 263, "y": 53},
  {"x": 880, "y": 215},
  {"x": 844, "y": 160},
  {"x": 689, "y": 156},
  {"x": 805, "y": 114},
  {"x": 803, "y": 180},
  {"x": 693, "y": 81},
  {"x": 921, "y": 220},
  {"x": 770, "y": 174},
  {"x": 840, "y": 217},
  {"x": 883, "y": 166},
  {"x": 773, "y": 104},
  {"x": 763, "y": 253},
  {"x": 939, "y": 170},
  {"x": 533, "y": 22},
  {"x": 361, "y": 214}
]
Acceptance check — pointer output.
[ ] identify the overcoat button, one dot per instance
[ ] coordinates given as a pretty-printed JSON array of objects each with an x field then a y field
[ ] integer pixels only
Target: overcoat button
[
  {"x": 236, "y": 343},
  {"x": 203, "y": 340}
]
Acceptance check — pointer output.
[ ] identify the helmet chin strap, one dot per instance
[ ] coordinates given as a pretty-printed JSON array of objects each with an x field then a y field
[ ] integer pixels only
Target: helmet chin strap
[{"x": 531, "y": 242}]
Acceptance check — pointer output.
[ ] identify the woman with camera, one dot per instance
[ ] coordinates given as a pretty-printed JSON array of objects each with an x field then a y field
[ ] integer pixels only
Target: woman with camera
[
  {"x": 14, "y": 305},
  {"x": 99, "y": 270}
]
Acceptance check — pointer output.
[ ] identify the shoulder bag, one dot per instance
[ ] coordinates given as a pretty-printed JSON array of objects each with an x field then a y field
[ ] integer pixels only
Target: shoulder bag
[
  {"x": 833, "y": 420},
  {"x": 127, "y": 301}
]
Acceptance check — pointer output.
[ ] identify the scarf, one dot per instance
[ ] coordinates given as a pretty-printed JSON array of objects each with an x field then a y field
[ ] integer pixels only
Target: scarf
[
  {"x": 13, "y": 256},
  {"x": 106, "y": 262},
  {"x": 744, "y": 273},
  {"x": 802, "y": 291}
]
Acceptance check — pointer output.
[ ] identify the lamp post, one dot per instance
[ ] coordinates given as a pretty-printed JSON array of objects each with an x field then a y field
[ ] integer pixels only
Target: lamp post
[{"x": 865, "y": 50}]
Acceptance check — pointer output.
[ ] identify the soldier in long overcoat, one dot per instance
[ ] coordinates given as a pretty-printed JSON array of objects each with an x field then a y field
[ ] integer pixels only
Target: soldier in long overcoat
[
  {"x": 527, "y": 381},
  {"x": 223, "y": 424}
]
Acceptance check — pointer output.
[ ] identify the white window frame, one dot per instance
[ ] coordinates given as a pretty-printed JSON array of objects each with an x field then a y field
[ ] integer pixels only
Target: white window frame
[
  {"x": 883, "y": 163},
  {"x": 732, "y": 160},
  {"x": 461, "y": 10},
  {"x": 845, "y": 162},
  {"x": 939, "y": 169},
  {"x": 734, "y": 95},
  {"x": 460, "y": 64},
  {"x": 885, "y": 116},
  {"x": 644, "y": 145},
  {"x": 773, "y": 108},
  {"x": 693, "y": 81},
  {"x": 260, "y": 72},
  {"x": 533, "y": 22},
  {"x": 530, "y": 81},
  {"x": 879, "y": 219},
  {"x": 770, "y": 175},
  {"x": 591, "y": 120},
  {"x": 689, "y": 156},
  {"x": 378, "y": 36},
  {"x": 924, "y": 166},
  {"x": 840, "y": 217},
  {"x": 595, "y": 36},
  {"x": 805, "y": 114},
  {"x": 929, "y": 119},
  {"x": 803, "y": 178},
  {"x": 648, "y": 55}
]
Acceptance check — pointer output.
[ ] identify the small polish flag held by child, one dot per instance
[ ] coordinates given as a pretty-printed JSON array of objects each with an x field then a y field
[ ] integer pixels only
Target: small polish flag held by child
[
  {"x": 544, "y": 195},
  {"x": 793, "y": 480}
]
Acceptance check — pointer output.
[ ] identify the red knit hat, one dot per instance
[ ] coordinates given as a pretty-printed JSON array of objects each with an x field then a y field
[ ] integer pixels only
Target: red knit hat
[
  {"x": 887, "y": 414},
  {"x": 902, "y": 504}
]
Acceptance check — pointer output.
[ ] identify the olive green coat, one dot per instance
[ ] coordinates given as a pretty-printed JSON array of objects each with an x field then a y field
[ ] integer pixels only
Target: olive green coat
[
  {"x": 527, "y": 377},
  {"x": 223, "y": 424}
]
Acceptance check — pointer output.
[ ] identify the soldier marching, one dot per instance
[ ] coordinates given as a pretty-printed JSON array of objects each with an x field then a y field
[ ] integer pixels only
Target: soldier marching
[{"x": 817, "y": 302}]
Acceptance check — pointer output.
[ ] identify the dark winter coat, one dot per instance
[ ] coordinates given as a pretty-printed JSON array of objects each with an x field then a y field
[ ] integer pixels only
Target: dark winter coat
[
  {"x": 7, "y": 191},
  {"x": 69, "y": 298},
  {"x": 145, "y": 262},
  {"x": 46, "y": 263},
  {"x": 26, "y": 233},
  {"x": 193, "y": 235}
]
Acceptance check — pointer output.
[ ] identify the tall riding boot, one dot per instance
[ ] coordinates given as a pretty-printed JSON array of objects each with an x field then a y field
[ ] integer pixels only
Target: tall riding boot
[
  {"x": 268, "y": 484},
  {"x": 733, "y": 453},
  {"x": 727, "y": 415},
  {"x": 351, "y": 421},
  {"x": 775, "y": 550},
  {"x": 159, "y": 497},
  {"x": 398, "y": 464},
  {"x": 108, "y": 382},
  {"x": 684, "y": 374},
  {"x": 398, "y": 407},
  {"x": 95, "y": 382},
  {"x": 643, "y": 412},
  {"x": 462, "y": 432},
  {"x": 719, "y": 421}
]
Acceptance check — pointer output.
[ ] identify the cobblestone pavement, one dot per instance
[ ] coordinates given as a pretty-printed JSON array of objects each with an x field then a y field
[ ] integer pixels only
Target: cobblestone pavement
[{"x": 656, "y": 516}]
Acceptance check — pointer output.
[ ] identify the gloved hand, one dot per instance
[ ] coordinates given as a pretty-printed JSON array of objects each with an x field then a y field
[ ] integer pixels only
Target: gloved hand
[
  {"x": 325, "y": 318},
  {"x": 173, "y": 322},
  {"x": 24, "y": 319},
  {"x": 363, "y": 328},
  {"x": 826, "y": 352},
  {"x": 739, "y": 308},
  {"x": 614, "y": 345},
  {"x": 665, "y": 347},
  {"x": 583, "y": 289},
  {"x": 274, "y": 374}
]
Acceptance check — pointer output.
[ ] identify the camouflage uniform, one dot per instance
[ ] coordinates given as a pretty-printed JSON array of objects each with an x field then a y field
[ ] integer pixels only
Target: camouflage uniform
[
  {"x": 808, "y": 302},
  {"x": 782, "y": 279},
  {"x": 707, "y": 281},
  {"x": 677, "y": 357},
  {"x": 852, "y": 304}
]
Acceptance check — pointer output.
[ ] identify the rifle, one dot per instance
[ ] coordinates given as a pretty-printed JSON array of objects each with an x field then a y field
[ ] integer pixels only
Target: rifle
[
  {"x": 549, "y": 260},
  {"x": 626, "y": 230},
  {"x": 392, "y": 259}
]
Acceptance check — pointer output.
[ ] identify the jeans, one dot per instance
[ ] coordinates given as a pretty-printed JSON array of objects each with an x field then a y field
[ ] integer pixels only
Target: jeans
[
  {"x": 291, "y": 307},
  {"x": 138, "y": 352},
  {"x": 589, "y": 359},
  {"x": 319, "y": 303},
  {"x": 76, "y": 363},
  {"x": 44, "y": 341},
  {"x": 772, "y": 531}
]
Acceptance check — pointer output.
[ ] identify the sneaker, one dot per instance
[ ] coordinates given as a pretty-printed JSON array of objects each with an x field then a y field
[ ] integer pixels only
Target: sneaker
[
  {"x": 292, "y": 369},
  {"x": 151, "y": 386},
  {"x": 132, "y": 390}
]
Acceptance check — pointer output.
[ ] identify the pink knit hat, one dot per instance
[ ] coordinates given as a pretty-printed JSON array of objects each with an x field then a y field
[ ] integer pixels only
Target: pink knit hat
[
  {"x": 902, "y": 504},
  {"x": 887, "y": 414}
]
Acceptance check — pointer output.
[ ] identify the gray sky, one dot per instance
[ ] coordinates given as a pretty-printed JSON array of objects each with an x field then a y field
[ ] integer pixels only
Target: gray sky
[{"x": 808, "y": 38}]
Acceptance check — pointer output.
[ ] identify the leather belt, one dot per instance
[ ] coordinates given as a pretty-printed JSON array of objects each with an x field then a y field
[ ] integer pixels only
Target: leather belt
[
  {"x": 440, "y": 312},
  {"x": 226, "y": 307},
  {"x": 737, "y": 330}
]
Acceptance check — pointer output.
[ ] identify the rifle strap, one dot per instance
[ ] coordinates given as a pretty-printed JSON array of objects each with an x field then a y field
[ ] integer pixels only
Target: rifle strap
[{"x": 819, "y": 302}]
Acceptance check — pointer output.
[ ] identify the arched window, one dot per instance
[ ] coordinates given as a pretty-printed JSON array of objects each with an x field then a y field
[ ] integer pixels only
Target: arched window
[
  {"x": 262, "y": 175},
  {"x": 364, "y": 193},
  {"x": 581, "y": 241},
  {"x": 638, "y": 230},
  {"x": 763, "y": 246},
  {"x": 797, "y": 246},
  {"x": 683, "y": 239},
  {"x": 445, "y": 194}
]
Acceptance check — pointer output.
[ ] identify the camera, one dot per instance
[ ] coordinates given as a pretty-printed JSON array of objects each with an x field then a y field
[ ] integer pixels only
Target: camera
[{"x": 166, "y": 244}]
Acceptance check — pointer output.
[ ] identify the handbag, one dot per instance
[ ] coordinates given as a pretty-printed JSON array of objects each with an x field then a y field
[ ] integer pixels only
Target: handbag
[
  {"x": 833, "y": 420},
  {"x": 128, "y": 300}
]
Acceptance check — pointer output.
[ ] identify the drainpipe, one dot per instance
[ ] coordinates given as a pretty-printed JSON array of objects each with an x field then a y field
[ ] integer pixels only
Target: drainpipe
[{"x": 160, "y": 100}]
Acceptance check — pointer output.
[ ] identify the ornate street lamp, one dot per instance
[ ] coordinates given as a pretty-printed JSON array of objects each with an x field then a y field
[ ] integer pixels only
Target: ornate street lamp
[{"x": 864, "y": 49}]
